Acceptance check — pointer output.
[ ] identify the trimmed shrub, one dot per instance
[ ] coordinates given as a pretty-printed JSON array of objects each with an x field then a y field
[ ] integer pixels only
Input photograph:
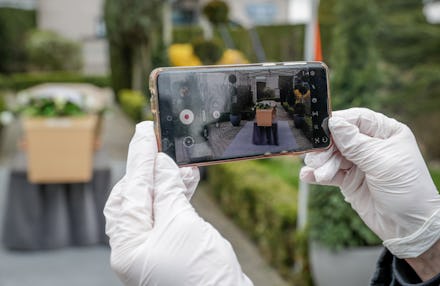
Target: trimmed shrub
[
  {"x": 48, "y": 51},
  {"x": 208, "y": 51},
  {"x": 261, "y": 197},
  {"x": 421, "y": 88},
  {"x": 134, "y": 35},
  {"x": 21, "y": 81},
  {"x": 333, "y": 223},
  {"x": 280, "y": 42},
  {"x": 186, "y": 34},
  {"x": 217, "y": 12},
  {"x": 133, "y": 103}
]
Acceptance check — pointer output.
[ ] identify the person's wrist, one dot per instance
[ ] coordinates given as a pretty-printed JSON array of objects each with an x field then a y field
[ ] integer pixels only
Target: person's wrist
[
  {"x": 418, "y": 242},
  {"x": 427, "y": 265}
]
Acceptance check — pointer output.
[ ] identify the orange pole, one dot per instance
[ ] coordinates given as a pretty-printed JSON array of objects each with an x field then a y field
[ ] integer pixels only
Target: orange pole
[{"x": 318, "y": 48}]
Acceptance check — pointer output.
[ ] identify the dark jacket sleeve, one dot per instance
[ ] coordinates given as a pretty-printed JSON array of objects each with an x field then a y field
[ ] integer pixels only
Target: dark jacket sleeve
[{"x": 392, "y": 271}]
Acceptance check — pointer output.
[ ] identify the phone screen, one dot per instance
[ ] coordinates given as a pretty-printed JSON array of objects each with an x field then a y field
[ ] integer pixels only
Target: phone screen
[{"x": 227, "y": 113}]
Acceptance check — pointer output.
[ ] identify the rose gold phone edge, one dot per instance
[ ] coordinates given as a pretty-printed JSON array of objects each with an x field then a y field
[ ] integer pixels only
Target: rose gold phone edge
[{"x": 155, "y": 110}]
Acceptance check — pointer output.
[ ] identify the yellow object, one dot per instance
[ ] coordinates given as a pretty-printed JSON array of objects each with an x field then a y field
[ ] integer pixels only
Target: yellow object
[
  {"x": 301, "y": 98},
  {"x": 183, "y": 55},
  {"x": 231, "y": 57}
]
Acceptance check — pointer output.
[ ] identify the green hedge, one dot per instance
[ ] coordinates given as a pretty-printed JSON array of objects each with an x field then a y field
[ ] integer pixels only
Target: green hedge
[
  {"x": 50, "y": 51},
  {"x": 133, "y": 103},
  {"x": 22, "y": 81},
  {"x": 263, "y": 203},
  {"x": 333, "y": 223},
  {"x": 14, "y": 25},
  {"x": 186, "y": 34},
  {"x": 280, "y": 42}
]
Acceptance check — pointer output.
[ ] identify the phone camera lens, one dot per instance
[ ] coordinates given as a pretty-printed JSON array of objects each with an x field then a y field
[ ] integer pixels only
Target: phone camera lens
[{"x": 188, "y": 141}]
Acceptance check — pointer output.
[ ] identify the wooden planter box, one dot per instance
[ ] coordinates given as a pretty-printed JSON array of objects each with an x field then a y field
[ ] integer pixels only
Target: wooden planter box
[
  {"x": 265, "y": 117},
  {"x": 60, "y": 150}
]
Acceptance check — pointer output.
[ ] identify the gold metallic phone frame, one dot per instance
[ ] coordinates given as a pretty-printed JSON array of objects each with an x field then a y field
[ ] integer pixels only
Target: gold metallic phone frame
[{"x": 153, "y": 81}]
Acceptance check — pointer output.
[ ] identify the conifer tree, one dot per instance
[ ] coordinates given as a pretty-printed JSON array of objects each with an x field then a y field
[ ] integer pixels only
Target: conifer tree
[
  {"x": 133, "y": 29},
  {"x": 354, "y": 60}
]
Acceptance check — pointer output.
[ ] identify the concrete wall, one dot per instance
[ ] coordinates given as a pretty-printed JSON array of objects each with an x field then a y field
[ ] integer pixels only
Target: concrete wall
[
  {"x": 74, "y": 19},
  {"x": 79, "y": 20}
]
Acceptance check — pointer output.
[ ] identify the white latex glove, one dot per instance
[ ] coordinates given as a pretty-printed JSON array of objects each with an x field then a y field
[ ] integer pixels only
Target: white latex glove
[
  {"x": 377, "y": 164},
  {"x": 156, "y": 237}
]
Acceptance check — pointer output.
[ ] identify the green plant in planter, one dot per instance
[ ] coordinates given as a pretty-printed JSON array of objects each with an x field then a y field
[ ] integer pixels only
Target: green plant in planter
[
  {"x": 299, "y": 108},
  {"x": 333, "y": 223},
  {"x": 56, "y": 101},
  {"x": 51, "y": 107},
  {"x": 235, "y": 115},
  {"x": 262, "y": 105}
]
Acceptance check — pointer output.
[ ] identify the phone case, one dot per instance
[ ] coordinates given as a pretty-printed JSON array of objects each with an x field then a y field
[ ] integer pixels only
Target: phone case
[{"x": 263, "y": 115}]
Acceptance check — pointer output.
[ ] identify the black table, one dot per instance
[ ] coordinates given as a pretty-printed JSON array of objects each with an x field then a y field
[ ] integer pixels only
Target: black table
[
  {"x": 47, "y": 216},
  {"x": 265, "y": 135}
]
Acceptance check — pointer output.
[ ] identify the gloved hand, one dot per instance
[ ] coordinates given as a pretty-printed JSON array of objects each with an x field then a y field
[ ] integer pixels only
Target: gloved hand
[
  {"x": 377, "y": 164},
  {"x": 156, "y": 237}
]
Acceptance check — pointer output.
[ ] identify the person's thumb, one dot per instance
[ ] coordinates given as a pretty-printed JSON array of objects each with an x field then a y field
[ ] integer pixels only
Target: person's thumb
[
  {"x": 355, "y": 146},
  {"x": 169, "y": 190}
]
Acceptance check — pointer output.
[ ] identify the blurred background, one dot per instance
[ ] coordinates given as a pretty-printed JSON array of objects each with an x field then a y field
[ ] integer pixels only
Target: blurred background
[{"x": 78, "y": 72}]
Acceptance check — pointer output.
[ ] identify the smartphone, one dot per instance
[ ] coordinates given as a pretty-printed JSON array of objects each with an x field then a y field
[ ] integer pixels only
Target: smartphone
[{"x": 213, "y": 114}]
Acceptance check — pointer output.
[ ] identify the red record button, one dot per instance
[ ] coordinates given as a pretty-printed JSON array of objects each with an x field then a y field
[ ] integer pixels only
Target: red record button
[{"x": 186, "y": 116}]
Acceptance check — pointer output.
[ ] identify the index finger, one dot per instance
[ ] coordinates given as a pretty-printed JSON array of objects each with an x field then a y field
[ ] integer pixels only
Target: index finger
[{"x": 369, "y": 122}]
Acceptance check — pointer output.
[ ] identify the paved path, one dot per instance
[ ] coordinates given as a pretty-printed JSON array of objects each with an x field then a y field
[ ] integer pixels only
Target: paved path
[{"x": 90, "y": 265}]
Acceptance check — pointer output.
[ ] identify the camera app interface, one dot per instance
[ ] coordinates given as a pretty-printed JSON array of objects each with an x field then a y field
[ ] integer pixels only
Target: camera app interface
[{"x": 225, "y": 114}]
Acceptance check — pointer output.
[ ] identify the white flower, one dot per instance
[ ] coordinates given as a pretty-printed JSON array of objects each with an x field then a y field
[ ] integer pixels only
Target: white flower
[
  {"x": 92, "y": 104},
  {"x": 6, "y": 117},
  {"x": 60, "y": 102},
  {"x": 61, "y": 95},
  {"x": 23, "y": 98}
]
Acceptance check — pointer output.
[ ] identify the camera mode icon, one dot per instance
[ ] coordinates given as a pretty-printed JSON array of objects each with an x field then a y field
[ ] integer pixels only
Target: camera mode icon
[{"x": 188, "y": 141}]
